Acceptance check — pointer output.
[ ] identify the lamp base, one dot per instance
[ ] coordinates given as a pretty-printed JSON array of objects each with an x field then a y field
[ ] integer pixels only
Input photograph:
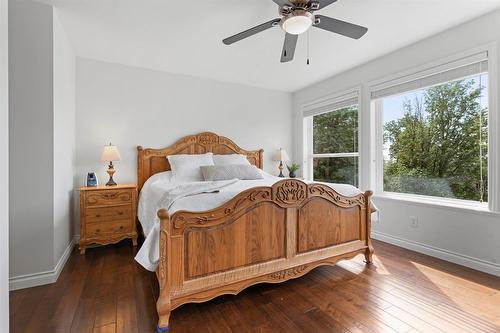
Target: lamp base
[
  {"x": 111, "y": 172},
  {"x": 281, "y": 170},
  {"x": 111, "y": 182}
]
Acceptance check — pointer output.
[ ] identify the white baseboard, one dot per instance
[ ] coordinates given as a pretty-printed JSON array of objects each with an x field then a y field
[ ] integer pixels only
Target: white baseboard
[
  {"x": 38, "y": 279},
  {"x": 457, "y": 258}
]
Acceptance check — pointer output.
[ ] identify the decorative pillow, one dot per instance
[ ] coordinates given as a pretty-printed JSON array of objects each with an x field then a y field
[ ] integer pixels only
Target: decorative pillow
[
  {"x": 231, "y": 171},
  {"x": 230, "y": 159},
  {"x": 187, "y": 167}
]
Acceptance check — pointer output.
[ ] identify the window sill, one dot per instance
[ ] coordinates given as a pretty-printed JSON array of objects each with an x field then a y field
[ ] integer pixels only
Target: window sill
[{"x": 428, "y": 201}]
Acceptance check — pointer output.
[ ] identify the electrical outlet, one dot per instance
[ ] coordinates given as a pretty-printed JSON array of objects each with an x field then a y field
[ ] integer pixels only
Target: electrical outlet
[{"x": 413, "y": 221}]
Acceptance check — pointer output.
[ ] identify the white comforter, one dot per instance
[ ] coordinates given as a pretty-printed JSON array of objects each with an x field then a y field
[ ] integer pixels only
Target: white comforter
[{"x": 163, "y": 191}]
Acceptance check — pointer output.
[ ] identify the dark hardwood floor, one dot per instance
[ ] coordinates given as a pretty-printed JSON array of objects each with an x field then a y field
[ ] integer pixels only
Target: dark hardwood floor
[{"x": 106, "y": 291}]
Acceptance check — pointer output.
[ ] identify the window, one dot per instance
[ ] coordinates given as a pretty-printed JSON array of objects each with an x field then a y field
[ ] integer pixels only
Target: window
[
  {"x": 435, "y": 138},
  {"x": 333, "y": 143}
]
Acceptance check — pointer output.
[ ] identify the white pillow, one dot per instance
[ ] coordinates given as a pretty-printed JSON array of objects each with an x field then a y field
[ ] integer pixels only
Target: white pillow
[
  {"x": 230, "y": 171},
  {"x": 187, "y": 167},
  {"x": 164, "y": 176},
  {"x": 230, "y": 159}
]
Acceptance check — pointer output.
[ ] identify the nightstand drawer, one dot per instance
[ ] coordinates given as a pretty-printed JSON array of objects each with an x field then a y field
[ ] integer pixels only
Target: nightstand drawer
[
  {"x": 106, "y": 214},
  {"x": 112, "y": 227},
  {"x": 109, "y": 197}
]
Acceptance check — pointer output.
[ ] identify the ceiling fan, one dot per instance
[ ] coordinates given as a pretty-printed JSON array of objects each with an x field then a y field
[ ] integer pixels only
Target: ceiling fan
[{"x": 297, "y": 16}]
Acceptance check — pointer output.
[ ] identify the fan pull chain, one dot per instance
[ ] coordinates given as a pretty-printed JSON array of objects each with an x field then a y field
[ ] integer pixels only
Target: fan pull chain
[{"x": 307, "y": 62}]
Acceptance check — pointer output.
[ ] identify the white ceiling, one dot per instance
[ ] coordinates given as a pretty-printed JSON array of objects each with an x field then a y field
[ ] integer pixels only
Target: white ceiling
[{"x": 185, "y": 36}]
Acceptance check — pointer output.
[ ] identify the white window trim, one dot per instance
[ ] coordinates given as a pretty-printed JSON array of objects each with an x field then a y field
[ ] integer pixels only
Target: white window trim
[
  {"x": 452, "y": 204},
  {"x": 335, "y": 155},
  {"x": 433, "y": 70},
  {"x": 308, "y": 155},
  {"x": 493, "y": 133},
  {"x": 308, "y": 148}
]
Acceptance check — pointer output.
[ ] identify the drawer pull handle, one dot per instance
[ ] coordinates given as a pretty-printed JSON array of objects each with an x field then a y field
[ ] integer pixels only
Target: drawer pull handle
[
  {"x": 98, "y": 215},
  {"x": 98, "y": 230},
  {"x": 120, "y": 213},
  {"x": 121, "y": 227}
]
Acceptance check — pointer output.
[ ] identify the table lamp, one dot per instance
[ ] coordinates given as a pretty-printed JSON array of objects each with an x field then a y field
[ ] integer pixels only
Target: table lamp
[
  {"x": 281, "y": 156},
  {"x": 109, "y": 154}
]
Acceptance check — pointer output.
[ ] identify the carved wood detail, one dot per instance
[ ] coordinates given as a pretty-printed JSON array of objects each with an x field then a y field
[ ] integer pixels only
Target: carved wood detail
[
  {"x": 325, "y": 191},
  {"x": 288, "y": 193},
  {"x": 108, "y": 197}
]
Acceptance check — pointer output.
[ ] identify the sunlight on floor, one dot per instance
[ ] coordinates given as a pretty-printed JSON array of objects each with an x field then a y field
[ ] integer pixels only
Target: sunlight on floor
[
  {"x": 472, "y": 297},
  {"x": 381, "y": 269},
  {"x": 355, "y": 268},
  {"x": 440, "y": 277}
]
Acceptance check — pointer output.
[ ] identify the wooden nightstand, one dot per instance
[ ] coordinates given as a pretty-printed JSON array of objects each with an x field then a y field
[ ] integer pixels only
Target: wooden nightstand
[{"x": 107, "y": 214}]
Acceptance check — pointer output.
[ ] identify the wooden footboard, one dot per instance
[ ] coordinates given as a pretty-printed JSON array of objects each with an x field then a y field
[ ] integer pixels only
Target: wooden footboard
[{"x": 264, "y": 234}]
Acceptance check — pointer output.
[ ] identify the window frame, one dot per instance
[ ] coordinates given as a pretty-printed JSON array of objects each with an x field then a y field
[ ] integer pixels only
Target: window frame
[
  {"x": 308, "y": 144},
  {"x": 493, "y": 128}
]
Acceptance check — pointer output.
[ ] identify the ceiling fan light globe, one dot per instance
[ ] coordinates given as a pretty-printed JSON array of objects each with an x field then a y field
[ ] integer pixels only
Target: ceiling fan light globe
[{"x": 298, "y": 22}]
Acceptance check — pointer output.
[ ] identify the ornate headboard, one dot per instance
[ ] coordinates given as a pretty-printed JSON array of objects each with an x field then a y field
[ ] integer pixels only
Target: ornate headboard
[{"x": 151, "y": 161}]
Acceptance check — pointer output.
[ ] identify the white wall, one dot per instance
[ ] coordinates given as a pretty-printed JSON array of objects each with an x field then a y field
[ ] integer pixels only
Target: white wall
[
  {"x": 64, "y": 139},
  {"x": 4, "y": 168},
  {"x": 41, "y": 144},
  {"x": 31, "y": 139},
  {"x": 459, "y": 235},
  {"x": 131, "y": 106}
]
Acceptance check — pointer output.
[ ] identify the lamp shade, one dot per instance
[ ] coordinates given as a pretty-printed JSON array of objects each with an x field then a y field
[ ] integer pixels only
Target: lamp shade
[
  {"x": 280, "y": 155},
  {"x": 110, "y": 153}
]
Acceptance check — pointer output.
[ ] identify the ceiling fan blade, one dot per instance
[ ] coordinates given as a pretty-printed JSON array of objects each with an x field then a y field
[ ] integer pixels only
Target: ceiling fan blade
[
  {"x": 324, "y": 3},
  {"x": 282, "y": 3},
  {"x": 251, "y": 31},
  {"x": 340, "y": 27},
  {"x": 289, "y": 47}
]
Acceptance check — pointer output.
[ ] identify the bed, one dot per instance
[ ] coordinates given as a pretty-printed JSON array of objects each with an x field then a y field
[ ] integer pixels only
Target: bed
[{"x": 263, "y": 234}]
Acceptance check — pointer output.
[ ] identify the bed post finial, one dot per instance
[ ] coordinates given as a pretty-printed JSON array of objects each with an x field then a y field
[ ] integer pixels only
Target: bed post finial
[
  {"x": 261, "y": 159},
  {"x": 140, "y": 167},
  {"x": 163, "y": 214}
]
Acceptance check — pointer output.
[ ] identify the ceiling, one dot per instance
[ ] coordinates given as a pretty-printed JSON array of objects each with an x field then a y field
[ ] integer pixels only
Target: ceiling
[{"x": 185, "y": 37}]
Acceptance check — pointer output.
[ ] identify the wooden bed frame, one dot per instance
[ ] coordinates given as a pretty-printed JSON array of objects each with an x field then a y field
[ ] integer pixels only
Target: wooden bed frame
[{"x": 264, "y": 234}]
